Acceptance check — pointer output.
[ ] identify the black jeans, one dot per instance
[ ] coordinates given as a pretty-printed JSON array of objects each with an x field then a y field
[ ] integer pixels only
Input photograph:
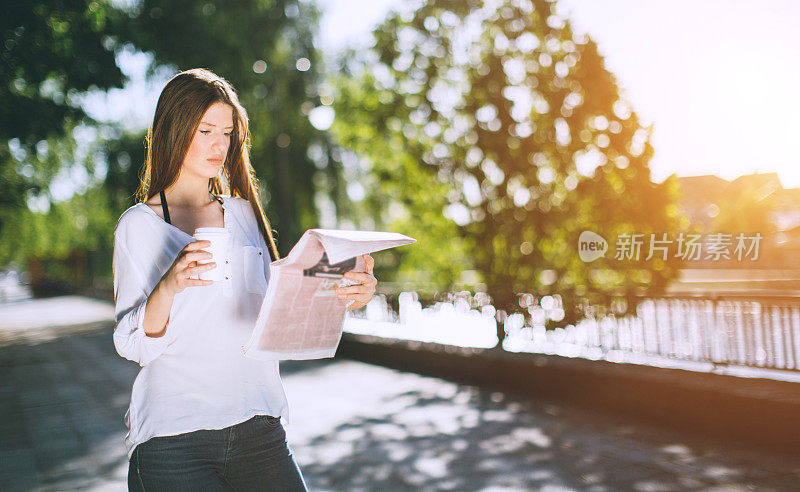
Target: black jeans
[{"x": 252, "y": 455}]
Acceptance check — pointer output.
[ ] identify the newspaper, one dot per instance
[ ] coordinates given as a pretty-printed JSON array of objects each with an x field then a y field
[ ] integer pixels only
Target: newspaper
[{"x": 301, "y": 316}]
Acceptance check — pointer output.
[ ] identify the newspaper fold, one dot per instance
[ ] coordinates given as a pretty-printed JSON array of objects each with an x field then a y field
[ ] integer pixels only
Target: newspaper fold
[{"x": 301, "y": 316}]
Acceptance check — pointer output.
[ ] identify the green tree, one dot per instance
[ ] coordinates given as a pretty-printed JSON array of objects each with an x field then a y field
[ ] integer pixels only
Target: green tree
[
  {"x": 53, "y": 218},
  {"x": 520, "y": 119},
  {"x": 402, "y": 196},
  {"x": 51, "y": 53},
  {"x": 54, "y": 51},
  {"x": 265, "y": 48}
]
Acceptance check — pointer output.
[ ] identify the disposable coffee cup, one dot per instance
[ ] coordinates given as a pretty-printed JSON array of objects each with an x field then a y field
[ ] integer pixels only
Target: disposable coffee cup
[{"x": 219, "y": 238}]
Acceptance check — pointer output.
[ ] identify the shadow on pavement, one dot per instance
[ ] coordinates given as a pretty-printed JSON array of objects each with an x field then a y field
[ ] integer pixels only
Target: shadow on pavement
[
  {"x": 64, "y": 392},
  {"x": 450, "y": 436},
  {"x": 357, "y": 427}
]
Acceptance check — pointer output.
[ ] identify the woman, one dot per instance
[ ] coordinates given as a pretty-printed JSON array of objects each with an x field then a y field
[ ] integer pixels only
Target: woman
[{"x": 202, "y": 416}]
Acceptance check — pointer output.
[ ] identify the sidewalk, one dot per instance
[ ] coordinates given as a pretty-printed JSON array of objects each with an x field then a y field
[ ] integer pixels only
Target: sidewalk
[
  {"x": 751, "y": 410},
  {"x": 354, "y": 426}
]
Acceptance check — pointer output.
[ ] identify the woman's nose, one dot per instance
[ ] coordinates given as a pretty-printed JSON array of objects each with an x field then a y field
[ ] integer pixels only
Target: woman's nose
[{"x": 218, "y": 142}]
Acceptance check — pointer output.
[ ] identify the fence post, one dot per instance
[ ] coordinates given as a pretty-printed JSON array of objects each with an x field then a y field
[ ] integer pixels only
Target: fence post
[{"x": 500, "y": 318}]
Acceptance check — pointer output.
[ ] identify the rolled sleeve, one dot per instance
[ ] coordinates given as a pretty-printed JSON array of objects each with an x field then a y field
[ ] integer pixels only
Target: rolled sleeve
[
  {"x": 132, "y": 342},
  {"x": 130, "y": 299}
]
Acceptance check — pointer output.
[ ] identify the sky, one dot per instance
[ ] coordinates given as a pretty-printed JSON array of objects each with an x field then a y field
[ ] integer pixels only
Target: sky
[{"x": 718, "y": 79}]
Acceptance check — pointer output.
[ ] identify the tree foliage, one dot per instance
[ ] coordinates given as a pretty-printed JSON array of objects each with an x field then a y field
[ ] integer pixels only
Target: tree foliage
[
  {"x": 518, "y": 117},
  {"x": 401, "y": 196},
  {"x": 54, "y": 52},
  {"x": 51, "y": 52},
  {"x": 265, "y": 49}
]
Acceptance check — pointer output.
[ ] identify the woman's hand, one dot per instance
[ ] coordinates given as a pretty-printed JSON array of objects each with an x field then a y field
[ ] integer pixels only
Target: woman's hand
[
  {"x": 361, "y": 293},
  {"x": 185, "y": 265}
]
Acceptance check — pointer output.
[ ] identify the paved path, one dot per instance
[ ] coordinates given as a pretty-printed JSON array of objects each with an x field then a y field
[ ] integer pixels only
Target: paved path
[{"x": 64, "y": 390}]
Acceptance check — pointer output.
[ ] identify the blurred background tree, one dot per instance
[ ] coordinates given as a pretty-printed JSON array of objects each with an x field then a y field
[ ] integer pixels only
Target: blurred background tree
[
  {"x": 67, "y": 177},
  {"x": 491, "y": 133},
  {"x": 498, "y": 122},
  {"x": 51, "y": 53},
  {"x": 265, "y": 49},
  {"x": 398, "y": 193}
]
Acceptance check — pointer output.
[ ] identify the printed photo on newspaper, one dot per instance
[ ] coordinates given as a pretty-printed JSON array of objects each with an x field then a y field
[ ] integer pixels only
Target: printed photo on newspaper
[{"x": 301, "y": 317}]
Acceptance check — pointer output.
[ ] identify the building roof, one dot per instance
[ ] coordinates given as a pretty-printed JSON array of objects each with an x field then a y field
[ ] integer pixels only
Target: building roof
[{"x": 699, "y": 192}]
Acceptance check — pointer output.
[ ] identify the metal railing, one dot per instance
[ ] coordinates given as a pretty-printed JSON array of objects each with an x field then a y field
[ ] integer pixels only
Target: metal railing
[
  {"x": 761, "y": 332},
  {"x": 742, "y": 332}
]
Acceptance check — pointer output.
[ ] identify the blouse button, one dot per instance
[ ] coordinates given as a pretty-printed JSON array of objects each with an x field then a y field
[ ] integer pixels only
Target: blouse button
[
  {"x": 226, "y": 277},
  {"x": 259, "y": 253}
]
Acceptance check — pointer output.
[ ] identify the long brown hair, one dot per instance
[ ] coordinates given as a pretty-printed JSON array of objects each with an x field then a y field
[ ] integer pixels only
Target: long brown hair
[{"x": 182, "y": 103}]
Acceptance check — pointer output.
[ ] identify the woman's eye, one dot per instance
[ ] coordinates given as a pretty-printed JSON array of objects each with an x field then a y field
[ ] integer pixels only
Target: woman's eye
[{"x": 205, "y": 131}]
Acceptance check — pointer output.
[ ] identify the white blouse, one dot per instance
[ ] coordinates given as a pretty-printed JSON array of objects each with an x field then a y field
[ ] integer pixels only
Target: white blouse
[{"x": 195, "y": 376}]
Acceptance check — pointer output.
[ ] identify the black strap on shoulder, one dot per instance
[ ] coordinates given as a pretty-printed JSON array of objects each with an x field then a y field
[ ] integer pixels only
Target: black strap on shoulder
[{"x": 164, "y": 207}]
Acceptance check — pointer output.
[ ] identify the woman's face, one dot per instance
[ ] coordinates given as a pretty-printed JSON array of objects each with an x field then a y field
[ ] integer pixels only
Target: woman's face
[{"x": 209, "y": 147}]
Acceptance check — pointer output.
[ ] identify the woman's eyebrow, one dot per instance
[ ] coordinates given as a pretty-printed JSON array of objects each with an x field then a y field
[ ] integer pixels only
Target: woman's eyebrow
[{"x": 209, "y": 124}]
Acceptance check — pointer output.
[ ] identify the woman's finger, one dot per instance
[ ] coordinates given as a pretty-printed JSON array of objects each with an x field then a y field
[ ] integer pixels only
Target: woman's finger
[
  {"x": 203, "y": 267},
  {"x": 186, "y": 277},
  {"x": 197, "y": 245},
  {"x": 356, "y": 305},
  {"x": 354, "y": 295},
  {"x": 356, "y": 289},
  {"x": 365, "y": 298},
  {"x": 361, "y": 277},
  {"x": 370, "y": 263},
  {"x": 200, "y": 254},
  {"x": 359, "y": 301}
]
